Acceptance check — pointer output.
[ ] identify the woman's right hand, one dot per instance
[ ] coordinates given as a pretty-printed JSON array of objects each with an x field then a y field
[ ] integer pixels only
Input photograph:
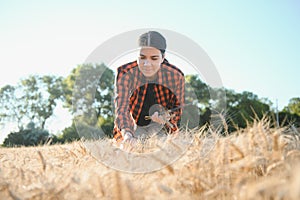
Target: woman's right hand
[
  {"x": 128, "y": 141},
  {"x": 127, "y": 137}
]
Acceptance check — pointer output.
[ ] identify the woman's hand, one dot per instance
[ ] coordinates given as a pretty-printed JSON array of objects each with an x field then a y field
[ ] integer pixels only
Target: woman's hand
[
  {"x": 127, "y": 137},
  {"x": 161, "y": 119},
  {"x": 128, "y": 141}
]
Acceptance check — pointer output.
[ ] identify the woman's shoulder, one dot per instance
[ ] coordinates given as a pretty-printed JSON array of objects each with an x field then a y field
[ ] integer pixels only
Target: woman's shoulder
[
  {"x": 127, "y": 67},
  {"x": 166, "y": 66}
]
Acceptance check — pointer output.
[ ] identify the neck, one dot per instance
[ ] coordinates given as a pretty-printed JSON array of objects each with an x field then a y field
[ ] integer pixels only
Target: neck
[{"x": 152, "y": 78}]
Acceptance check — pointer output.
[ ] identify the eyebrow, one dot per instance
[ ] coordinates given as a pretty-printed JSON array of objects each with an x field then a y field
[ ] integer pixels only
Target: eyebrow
[{"x": 150, "y": 56}]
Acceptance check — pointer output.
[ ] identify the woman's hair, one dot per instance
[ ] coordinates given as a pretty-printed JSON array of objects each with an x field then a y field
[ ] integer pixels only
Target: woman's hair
[{"x": 153, "y": 39}]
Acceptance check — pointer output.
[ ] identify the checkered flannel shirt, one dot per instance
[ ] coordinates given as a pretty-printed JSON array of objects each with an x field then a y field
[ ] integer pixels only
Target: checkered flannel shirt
[{"x": 130, "y": 96}]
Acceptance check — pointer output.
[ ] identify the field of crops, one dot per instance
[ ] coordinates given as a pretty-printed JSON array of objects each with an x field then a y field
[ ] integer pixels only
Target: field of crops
[{"x": 258, "y": 162}]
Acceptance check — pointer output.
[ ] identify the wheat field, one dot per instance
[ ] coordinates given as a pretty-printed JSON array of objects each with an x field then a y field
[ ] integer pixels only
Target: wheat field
[{"x": 258, "y": 162}]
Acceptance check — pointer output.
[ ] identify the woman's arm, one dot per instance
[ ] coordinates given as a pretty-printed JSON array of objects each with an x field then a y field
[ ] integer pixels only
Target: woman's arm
[{"x": 123, "y": 120}]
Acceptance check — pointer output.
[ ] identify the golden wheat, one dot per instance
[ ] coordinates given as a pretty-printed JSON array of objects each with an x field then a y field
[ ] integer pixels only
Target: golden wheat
[{"x": 258, "y": 162}]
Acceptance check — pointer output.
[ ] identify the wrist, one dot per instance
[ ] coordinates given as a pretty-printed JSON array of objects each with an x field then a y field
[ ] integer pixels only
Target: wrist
[{"x": 127, "y": 136}]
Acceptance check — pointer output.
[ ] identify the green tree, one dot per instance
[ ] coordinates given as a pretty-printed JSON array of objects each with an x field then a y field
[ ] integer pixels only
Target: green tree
[
  {"x": 195, "y": 89},
  {"x": 107, "y": 125},
  {"x": 30, "y": 136},
  {"x": 40, "y": 96},
  {"x": 287, "y": 119},
  {"x": 89, "y": 95},
  {"x": 244, "y": 107},
  {"x": 33, "y": 99},
  {"x": 205, "y": 100},
  {"x": 294, "y": 106},
  {"x": 12, "y": 105},
  {"x": 69, "y": 134}
]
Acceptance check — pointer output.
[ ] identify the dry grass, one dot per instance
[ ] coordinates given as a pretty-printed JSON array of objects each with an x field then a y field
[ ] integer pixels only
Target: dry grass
[{"x": 255, "y": 163}]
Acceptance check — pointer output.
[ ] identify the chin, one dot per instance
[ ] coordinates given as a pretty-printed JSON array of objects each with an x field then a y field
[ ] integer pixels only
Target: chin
[{"x": 148, "y": 75}]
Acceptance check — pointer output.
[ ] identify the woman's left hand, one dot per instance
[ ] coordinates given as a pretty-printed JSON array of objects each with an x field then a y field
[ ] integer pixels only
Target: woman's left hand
[{"x": 161, "y": 119}]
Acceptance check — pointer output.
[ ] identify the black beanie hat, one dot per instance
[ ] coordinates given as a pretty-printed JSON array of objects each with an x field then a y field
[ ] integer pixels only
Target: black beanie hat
[{"x": 153, "y": 39}]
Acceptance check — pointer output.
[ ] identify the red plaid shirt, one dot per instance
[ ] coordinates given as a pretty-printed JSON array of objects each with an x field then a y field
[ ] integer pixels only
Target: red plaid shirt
[{"x": 130, "y": 96}]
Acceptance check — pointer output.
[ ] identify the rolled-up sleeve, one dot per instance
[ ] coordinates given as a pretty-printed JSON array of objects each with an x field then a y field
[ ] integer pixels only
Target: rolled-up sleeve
[{"x": 123, "y": 120}]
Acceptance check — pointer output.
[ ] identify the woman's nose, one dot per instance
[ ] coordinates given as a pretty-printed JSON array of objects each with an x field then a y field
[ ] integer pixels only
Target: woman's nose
[{"x": 146, "y": 62}]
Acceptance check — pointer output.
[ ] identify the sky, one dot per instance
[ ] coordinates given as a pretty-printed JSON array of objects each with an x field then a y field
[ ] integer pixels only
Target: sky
[{"x": 254, "y": 44}]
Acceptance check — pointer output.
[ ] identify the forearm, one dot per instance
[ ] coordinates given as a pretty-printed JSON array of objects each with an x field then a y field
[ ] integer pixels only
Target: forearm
[{"x": 123, "y": 120}]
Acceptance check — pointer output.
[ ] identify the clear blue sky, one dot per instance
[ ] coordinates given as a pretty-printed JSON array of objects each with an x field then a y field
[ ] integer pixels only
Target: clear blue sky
[{"x": 255, "y": 45}]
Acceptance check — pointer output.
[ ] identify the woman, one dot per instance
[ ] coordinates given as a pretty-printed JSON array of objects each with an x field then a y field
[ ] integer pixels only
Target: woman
[{"x": 146, "y": 90}]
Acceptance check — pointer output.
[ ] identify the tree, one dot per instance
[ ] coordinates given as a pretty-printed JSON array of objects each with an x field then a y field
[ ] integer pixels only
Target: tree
[
  {"x": 207, "y": 102},
  {"x": 33, "y": 99},
  {"x": 107, "y": 125},
  {"x": 294, "y": 106},
  {"x": 30, "y": 136},
  {"x": 69, "y": 134},
  {"x": 244, "y": 107},
  {"x": 89, "y": 95},
  {"x": 287, "y": 119},
  {"x": 12, "y": 105},
  {"x": 196, "y": 90},
  {"x": 40, "y": 95}
]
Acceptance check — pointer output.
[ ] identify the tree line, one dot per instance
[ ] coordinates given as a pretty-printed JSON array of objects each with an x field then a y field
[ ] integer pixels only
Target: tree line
[{"x": 88, "y": 91}]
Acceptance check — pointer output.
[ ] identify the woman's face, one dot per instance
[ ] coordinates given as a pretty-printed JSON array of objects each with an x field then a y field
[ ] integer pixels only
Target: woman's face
[{"x": 149, "y": 61}]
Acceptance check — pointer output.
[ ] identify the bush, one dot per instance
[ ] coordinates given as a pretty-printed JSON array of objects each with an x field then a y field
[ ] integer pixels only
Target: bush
[{"x": 26, "y": 137}]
